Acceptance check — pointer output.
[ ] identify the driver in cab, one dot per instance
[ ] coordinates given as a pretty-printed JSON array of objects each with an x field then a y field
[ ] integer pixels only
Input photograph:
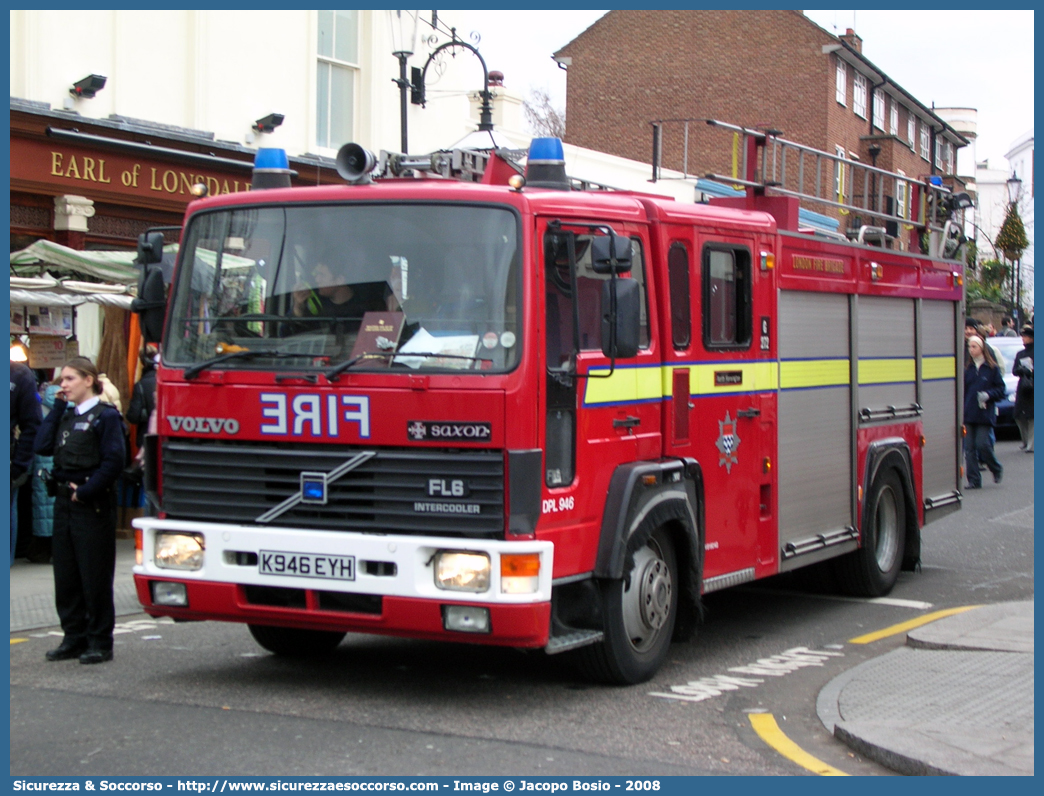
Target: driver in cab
[{"x": 329, "y": 297}]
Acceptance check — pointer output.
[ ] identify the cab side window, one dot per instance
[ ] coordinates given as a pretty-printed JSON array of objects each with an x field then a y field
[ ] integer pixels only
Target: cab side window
[
  {"x": 589, "y": 299},
  {"x": 726, "y": 296},
  {"x": 678, "y": 277}
]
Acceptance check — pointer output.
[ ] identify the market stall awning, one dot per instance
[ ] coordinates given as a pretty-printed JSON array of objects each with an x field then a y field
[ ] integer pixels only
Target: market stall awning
[{"x": 109, "y": 266}]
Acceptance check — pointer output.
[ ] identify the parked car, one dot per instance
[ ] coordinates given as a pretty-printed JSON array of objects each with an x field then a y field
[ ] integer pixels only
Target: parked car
[{"x": 1006, "y": 348}]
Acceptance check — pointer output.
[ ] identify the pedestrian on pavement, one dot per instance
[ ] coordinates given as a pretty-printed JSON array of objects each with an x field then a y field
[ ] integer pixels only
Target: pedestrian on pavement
[
  {"x": 39, "y": 551},
  {"x": 143, "y": 396},
  {"x": 1023, "y": 368},
  {"x": 86, "y": 438},
  {"x": 25, "y": 421},
  {"x": 1008, "y": 327},
  {"x": 983, "y": 387}
]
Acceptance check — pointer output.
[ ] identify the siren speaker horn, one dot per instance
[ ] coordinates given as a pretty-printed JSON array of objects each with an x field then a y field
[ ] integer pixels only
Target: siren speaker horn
[{"x": 355, "y": 163}]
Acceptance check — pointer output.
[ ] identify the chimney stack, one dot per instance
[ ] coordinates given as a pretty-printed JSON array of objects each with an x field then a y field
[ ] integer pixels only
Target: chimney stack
[{"x": 852, "y": 40}]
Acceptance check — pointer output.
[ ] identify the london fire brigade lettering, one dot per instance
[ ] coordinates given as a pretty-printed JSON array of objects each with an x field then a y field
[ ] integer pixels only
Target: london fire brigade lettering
[
  {"x": 204, "y": 425},
  {"x": 822, "y": 265},
  {"x": 302, "y": 416},
  {"x": 470, "y": 432}
]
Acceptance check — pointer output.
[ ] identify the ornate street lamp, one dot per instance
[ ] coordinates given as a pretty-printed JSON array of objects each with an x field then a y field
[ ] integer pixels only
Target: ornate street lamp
[
  {"x": 404, "y": 43},
  {"x": 1014, "y": 188},
  {"x": 1014, "y": 194},
  {"x": 486, "y": 109}
]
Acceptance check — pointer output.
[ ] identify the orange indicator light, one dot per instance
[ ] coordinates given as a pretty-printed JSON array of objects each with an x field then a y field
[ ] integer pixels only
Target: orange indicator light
[{"x": 520, "y": 565}]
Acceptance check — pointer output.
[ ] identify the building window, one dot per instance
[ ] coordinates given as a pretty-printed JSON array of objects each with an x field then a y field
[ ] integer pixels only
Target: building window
[
  {"x": 839, "y": 174},
  {"x": 879, "y": 105},
  {"x": 859, "y": 95},
  {"x": 893, "y": 118},
  {"x": 842, "y": 82},
  {"x": 901, "y": 193},
  {"x": 948, "y": 158},
  {"x": 338, "y": 50},
  {"x": 911, "y": 128},
  {"x": 726, "y": 296},
  {"x": 926, "y": 146}
]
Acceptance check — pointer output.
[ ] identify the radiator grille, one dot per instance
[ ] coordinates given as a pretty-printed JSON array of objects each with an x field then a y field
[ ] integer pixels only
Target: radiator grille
[{"x": 237, "y": 482}]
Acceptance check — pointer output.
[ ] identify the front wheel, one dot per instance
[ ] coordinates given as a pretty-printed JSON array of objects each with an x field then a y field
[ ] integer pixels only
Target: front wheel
[
  {"x": 293, "y": 642},
  {"x": 639, "y": 614},
  {"x": 872, "y": 570}
]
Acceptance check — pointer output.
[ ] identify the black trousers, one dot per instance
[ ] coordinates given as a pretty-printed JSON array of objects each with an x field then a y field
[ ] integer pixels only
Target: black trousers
[{"x": 83, "y": 550}]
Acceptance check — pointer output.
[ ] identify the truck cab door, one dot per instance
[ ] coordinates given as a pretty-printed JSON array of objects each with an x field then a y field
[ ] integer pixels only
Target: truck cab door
[
  {"x": 598, "y": 414},
  {"x": 728, "y": 393}
]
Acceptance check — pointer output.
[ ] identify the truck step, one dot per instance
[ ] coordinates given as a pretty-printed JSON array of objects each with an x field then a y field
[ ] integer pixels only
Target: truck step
[{"x": 572, "y": 640}]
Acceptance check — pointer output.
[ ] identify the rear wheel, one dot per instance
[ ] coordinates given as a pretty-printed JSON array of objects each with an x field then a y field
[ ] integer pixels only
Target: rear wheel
[
  {"x": 639, "y": 614},
  {"x": 873, "y": 569},
  {"x": 292, "y": 642}
]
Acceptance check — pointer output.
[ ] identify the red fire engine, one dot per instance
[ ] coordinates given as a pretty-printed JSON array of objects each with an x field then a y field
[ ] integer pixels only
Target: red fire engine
[{"x": 463, "y": 403}]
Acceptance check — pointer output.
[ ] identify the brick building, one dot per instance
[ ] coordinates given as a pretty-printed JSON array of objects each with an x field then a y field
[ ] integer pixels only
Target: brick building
[{"x": 759, "y": 69}]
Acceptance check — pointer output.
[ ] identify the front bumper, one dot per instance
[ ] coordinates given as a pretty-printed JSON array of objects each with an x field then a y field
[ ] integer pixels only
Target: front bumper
[{"x": 393, "y": 591}]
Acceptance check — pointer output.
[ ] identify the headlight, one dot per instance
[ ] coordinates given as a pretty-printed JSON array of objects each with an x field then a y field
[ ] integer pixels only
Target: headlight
[
  {"x": 179, "y": 550},
  {"x": 462, "y": 571}
]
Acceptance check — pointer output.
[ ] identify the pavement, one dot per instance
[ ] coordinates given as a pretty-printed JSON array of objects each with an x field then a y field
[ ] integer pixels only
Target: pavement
[
  {"x": 32, "y": 591},
  {"x": 957, "y": 699}
]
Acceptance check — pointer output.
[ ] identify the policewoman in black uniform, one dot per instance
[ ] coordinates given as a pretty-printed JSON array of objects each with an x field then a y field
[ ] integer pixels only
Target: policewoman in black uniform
[{"x": 86, "y": 439}]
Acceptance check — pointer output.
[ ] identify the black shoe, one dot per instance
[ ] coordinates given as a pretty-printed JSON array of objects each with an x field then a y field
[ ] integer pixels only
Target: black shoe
[
  {"x": 998, "y": 476},
  {"x": 974, "y": 486},
  {"x": 96, "y": 656},
  {"x": 66, "y": 650}
]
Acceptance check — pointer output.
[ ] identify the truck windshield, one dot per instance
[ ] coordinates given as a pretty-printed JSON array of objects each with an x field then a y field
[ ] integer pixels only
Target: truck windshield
[{"x": 391, "y": 286}]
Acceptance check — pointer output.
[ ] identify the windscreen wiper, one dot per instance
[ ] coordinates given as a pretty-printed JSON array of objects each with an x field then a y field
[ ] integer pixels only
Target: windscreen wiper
[
  {"x": 199, "y": 367},
  {"x": 335, "y": 372},
  {"x": 431, "y": 355}
]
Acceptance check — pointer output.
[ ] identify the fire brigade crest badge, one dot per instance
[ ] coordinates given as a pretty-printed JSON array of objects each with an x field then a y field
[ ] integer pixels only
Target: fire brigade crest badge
[
  {"x": 417, "y": 430},
  {"x": 728, "y": 442}
]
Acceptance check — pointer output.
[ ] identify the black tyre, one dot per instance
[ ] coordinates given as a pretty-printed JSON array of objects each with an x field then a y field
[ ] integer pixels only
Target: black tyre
[
  {"x": 293, "y": 642},
  {"x": 871, "y": 571},
  {"x": 639, "y": 614}
]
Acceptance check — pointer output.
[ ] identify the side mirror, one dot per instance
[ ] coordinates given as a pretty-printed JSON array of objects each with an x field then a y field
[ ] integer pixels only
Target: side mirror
[
  {"x": 624, "y": 325},
  {"x": 150, "y": 248},
  {"x": 151, "y": 304},
  {"x": 603, "y": 249}
]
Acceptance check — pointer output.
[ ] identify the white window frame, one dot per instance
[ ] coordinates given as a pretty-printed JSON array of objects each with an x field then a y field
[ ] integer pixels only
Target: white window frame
[
  {"x": 841, "y": 83},
  {"x": 859, "y": 95},
  {"x": 911, "y": 129},
  {"x": 839, "y": 175},
  {"x": 902, "y": 188},
  {"x": 926, "y": 143},
  {"x": 879, "y": 110},
  {"x": 893, "y": 118},
  {"x": 334, "y": 63}
]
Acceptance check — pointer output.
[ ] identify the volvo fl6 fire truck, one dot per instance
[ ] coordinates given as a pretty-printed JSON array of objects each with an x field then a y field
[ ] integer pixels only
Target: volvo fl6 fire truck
[{"x": 453, "y": 401}]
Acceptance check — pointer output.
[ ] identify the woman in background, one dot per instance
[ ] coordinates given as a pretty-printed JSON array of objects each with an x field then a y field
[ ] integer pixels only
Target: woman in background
[{"x": 983, "y": 387}]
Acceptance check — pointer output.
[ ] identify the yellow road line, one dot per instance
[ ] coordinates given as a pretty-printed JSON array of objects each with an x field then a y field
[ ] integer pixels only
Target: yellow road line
[
  {"x": 765, "y": 726},
  {"x": 18, "y": 640},
  {"x": 902, "y": 627}
]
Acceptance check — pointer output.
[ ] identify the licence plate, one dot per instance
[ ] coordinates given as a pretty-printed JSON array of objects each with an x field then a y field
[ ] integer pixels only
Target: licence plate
[{"x": 306, "y": 565}]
